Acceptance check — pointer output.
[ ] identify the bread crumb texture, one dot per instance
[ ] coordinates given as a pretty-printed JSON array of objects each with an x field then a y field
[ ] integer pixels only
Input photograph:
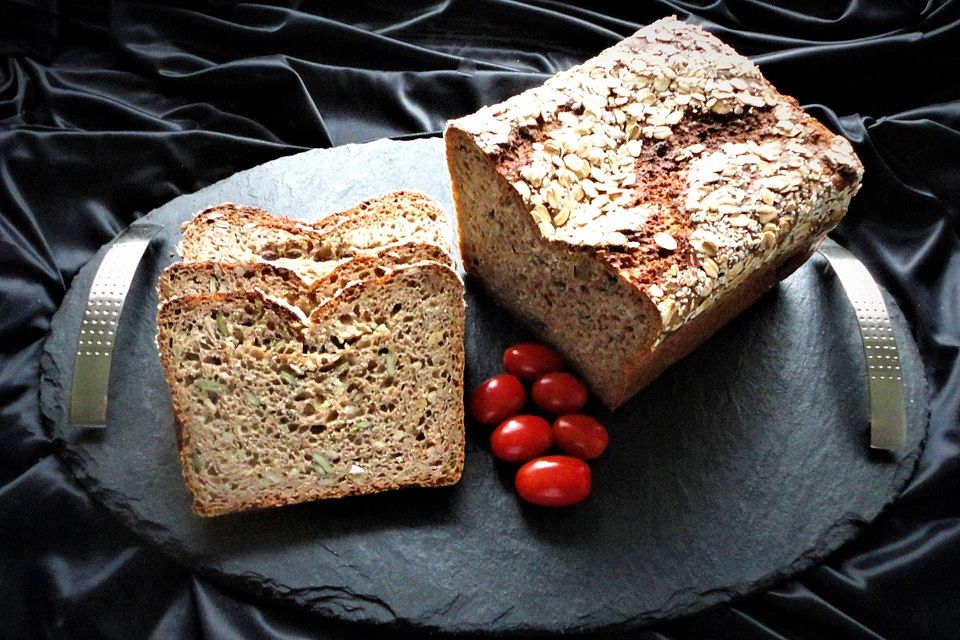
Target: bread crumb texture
[{"x": 365, "y": 395}]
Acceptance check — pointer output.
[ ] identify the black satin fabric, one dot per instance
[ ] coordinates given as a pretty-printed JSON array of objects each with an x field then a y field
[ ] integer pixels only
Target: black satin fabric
[{"x": 108, "y": 110}]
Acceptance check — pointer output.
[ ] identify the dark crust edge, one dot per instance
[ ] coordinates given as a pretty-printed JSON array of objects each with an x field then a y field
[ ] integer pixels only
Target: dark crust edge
[
  {"x": 242, "y": 214},
  {"x": 679, "y": 343},
  {"x": 209, "y": 266},
  {"x": 431, "y": 252}
]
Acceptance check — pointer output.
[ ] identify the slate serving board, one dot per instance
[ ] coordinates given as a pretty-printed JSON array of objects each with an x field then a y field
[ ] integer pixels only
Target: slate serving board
[{"x": 743, "y": 464}]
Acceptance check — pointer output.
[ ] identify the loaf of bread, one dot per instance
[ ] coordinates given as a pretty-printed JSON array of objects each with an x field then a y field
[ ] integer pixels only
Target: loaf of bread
[
  {"x": 274, "y": 408},
  {"x": 630, "y": 206}
]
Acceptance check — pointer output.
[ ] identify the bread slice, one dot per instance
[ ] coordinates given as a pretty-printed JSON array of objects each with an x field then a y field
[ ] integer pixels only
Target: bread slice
[
  {"x": 364, "y": 396},
  {"x": 401, "y": 216},
  {"x": 632, "y": 205},
  {"x": 242, "y": 234},
  {"x": 289, "y": 284}
]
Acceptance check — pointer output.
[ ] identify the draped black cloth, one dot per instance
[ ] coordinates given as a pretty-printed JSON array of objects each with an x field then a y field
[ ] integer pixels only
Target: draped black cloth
[{"x": 108, "y": 110}]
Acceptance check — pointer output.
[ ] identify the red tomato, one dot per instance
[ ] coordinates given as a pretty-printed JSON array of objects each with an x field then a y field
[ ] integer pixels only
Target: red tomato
[
  {"x": 554, "y": 481},
  {"x": 559, "y": 393},
  {"x": 521, "y": 438},
  {"x": 497, "y": 399},
  {"x": 580, "y": 436},
  {"x": 529, "y": 360}
]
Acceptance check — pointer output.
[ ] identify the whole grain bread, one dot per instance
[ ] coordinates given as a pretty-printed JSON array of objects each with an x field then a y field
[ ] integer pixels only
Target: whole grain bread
[
  {"x": 630, "y": 206},
  {"x": 288, "y": 284},
  {"x": 400, "y": 216},
  {"x": 237, "y": 233},
  {"x": 365, "y": 395}
]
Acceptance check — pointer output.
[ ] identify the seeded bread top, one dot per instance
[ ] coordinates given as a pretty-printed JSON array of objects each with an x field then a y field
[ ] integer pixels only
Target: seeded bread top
[{"x": 674, "y": 160}]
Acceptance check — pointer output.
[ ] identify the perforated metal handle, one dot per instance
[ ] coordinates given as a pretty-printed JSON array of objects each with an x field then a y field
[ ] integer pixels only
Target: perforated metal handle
[
  {"x": 98, "y": 329},
  {"x": 888, "y": 410}
]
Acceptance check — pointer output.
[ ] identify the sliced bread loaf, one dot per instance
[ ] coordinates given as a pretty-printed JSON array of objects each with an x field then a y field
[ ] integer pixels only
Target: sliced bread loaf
[{"x": 365, "y": 396}]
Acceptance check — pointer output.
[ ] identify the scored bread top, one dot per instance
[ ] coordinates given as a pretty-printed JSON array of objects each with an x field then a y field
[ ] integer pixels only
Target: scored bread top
[{"x": 671, "y": 158}]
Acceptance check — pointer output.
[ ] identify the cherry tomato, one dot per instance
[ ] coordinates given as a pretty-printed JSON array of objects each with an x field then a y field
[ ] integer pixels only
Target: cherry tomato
[
  {"x": 554, "y": 481},
  {"x": 559, "y": 393},
  {"x": 581, "y": 436},
  {"x": 521, "y": 438},
  {"x": 497, "y": 399},
  {"x": 529, "y": 360}
]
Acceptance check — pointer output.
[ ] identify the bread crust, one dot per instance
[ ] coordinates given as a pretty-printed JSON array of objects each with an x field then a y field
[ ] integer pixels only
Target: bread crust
[
  {"x": 646, "y": 367},
  {"x": 373, "y": 260},
  {"x": 364, "y": 213},
  {"x": 165, "y": 283}
]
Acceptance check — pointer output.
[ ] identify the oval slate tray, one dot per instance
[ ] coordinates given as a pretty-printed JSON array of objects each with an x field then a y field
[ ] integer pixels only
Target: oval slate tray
[{"x": 740, "y": 466}]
